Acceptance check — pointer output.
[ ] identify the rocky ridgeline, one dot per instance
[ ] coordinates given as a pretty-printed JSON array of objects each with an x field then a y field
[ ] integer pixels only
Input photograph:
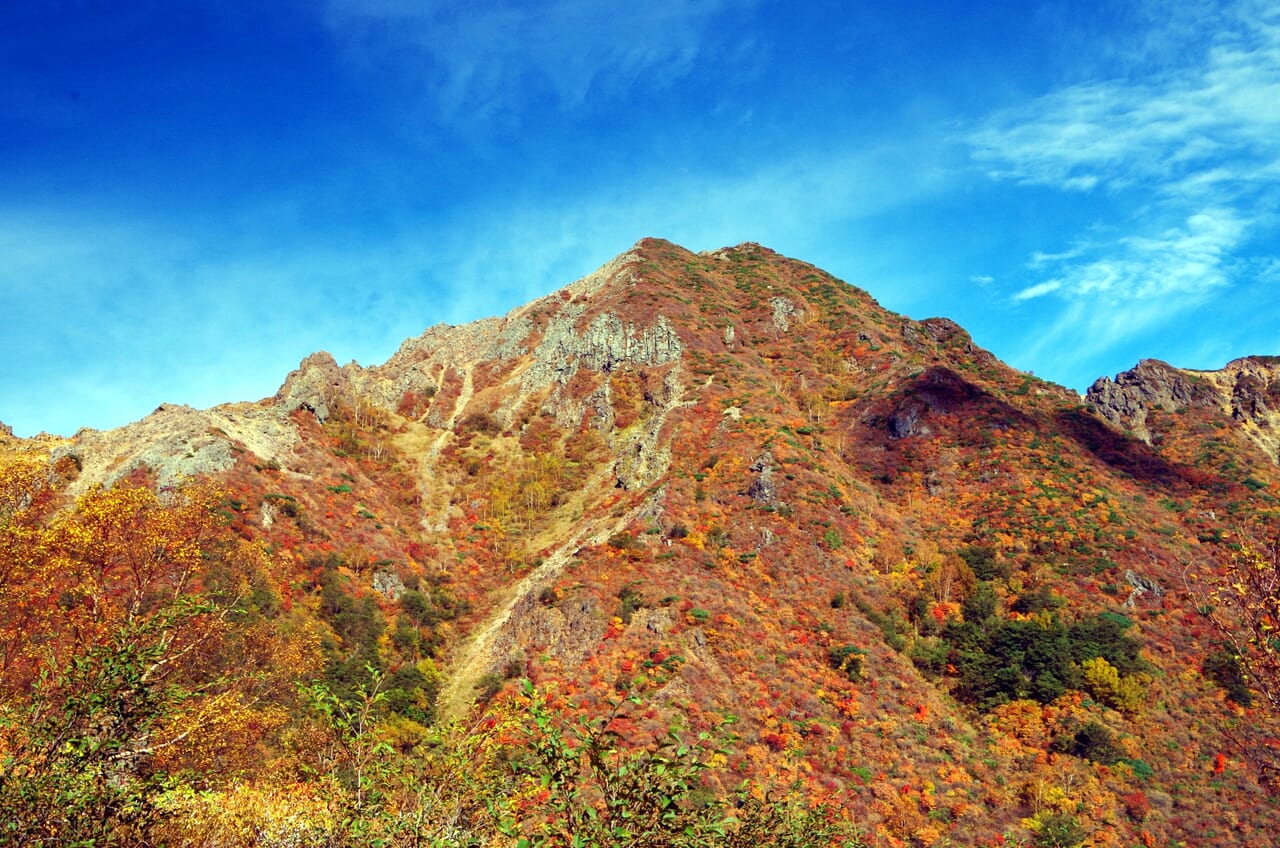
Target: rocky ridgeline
[
  {"x": 178, "y": 442},
  {"x": 498, "y": 366},
  {"x": 539, "y": 347},
  {"x": 1126, "y": 400},
  {"x": 534, "y": 352},
  {"x": 1247, "y": 389}
]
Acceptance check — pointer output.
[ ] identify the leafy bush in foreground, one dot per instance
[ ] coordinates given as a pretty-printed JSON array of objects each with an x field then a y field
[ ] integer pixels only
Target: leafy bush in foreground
[{"x": 529, "y": 778}]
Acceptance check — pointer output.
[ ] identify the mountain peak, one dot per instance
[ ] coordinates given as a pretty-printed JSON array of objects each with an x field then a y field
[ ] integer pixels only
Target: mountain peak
[{"x": 731, "y": 483}]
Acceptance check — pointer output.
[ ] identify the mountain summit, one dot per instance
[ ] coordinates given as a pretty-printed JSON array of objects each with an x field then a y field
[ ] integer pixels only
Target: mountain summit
[{"x": 940, "y": 590}]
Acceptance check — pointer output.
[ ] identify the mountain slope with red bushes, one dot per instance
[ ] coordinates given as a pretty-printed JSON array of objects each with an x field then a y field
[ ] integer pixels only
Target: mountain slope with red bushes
[{"x": 959, "y": 600}]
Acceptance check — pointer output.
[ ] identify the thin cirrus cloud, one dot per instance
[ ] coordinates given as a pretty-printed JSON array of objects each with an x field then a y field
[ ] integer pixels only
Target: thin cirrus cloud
[
  {"x": 486, "y": 64},
  {"x": 1189, "y": 157},
  {"x": 1190, "y": 259},
  {"x": 1219, "y": 120}
]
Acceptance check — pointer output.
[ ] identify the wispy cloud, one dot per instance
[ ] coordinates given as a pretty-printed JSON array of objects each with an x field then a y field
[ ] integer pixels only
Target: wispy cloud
[
  {"x": 1187, "y": 159},
  {"x": 481, "y": 64},
  {"x": 1189, "y": 260},
  {"x": 1205, "y": 126},
  {"x": 1038, "y": 290}
]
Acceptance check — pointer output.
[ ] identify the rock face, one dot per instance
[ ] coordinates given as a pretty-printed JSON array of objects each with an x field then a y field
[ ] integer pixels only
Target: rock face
[
  {"x": 605, "y": 344},
  {"x": 177, "y": 442},
  {"x": 1125, "y": 401},
  {"x": 318, "y": 385},
  {"x": 762, "y": 487},
  {"x": 1246, "y": 389}
]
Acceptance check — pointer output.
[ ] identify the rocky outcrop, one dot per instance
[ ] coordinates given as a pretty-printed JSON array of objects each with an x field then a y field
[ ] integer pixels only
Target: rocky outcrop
[
  {"x": 318, "y": 385},
  {"x": 906, "y": 421},
  {"x": 1126, "y": 400},
  {"x": 1141, "y": 586},
  {"x": 605, "y": 344},
  {"x": 762, "y": 488},
  {"x": 784, "y": 312},
  {"x": 533, "y": 352},
  {"x": 177, "y": 442},
  {"x": 1247, "y": 389},
  {"x": 1250, "y": 389}
]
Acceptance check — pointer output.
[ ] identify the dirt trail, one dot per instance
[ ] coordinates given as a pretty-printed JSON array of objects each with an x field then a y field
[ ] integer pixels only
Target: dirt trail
[
  {"x": 435, "y": 496},
  {"x": 464, "y": 398},
  {"x": 476, "y": 656}
]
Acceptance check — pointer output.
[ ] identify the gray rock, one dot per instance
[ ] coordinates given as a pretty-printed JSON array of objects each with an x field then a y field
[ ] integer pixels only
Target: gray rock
[
  {"x": 318, "y": 385},
  {"x": 906, "y": 421},
  {"x": 784, "y": 311},
  {"x": 762, "y": 488},
  {"x": 388, "y": 584},
  {"x": 1141, "y": 586},
  {"x": 1125, "y": 401}
]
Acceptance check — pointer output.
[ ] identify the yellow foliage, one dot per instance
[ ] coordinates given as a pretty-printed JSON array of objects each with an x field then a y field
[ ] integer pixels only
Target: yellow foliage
[
  {"x": 1127, "y": 694},
  {"x": 250, "y": 816},
  {"x": 1043, "y": 796},
  {"x": 1100, "y": 676}
]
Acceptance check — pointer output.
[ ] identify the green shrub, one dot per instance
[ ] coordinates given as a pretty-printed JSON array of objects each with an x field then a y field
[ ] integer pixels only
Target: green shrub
[
  {"x": 1223, "y": 667},
  {"x": 848, "y": 659},
  {"x": 629, "y": 600},
  {"x": 1059, "y": 830},
  {"x": 1092, "y": 742}
]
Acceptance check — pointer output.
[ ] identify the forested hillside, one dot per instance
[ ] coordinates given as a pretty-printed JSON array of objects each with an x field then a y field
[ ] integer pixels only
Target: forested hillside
[{"x": 702, "y": 549}]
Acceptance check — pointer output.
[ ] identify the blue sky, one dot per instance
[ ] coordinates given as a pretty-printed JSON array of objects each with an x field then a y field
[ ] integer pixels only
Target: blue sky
[{"x": 194, "y": 196}]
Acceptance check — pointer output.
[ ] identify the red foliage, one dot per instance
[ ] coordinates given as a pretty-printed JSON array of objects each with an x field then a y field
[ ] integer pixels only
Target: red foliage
[{"x": 1137, "y": 806}]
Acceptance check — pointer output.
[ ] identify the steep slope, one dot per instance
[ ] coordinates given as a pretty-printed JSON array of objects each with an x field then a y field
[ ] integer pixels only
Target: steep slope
[{"x": 942, "y": 590}]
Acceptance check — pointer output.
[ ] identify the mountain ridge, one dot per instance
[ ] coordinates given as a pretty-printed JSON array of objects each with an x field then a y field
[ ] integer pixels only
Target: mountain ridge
[{"x": 704, "y": 478}]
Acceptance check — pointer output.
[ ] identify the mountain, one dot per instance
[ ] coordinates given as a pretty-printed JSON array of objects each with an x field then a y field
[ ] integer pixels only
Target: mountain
[{"x": 960, "y": 600}]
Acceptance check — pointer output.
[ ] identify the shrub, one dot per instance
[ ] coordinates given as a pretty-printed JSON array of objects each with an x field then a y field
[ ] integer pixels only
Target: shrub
[
  {"x": 1127, "y": 694},
  {"x": 480, "y": 422},
  {"x": 982, "y": 560},
  {"x": 1059, "y": 830},
  {"x": 1092, "y": 742},
  {"x": 1137, "y": 806},
  {"x": 1223, "y": 667},
  {"x": 629, "y": 600},
  {"x": 848, "y": 659},
  {"x": 623, "y": 542},
  {"x": 595, "y": 792},
  {"x": 1141, "y": 770},
  {"x": 70, "y": 767}
]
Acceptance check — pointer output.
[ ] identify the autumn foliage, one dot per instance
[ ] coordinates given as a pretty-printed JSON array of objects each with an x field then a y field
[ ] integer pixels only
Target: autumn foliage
[
  {"x": 135, "y": 646},
  {"x": 793, "y": 568}
]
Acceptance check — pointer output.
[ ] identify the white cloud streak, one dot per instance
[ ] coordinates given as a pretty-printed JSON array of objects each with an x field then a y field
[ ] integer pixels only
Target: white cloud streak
[
  {"x": 1186, "y": 131},
  {"x": 481, "y": 63},
  {"x": 1038, "y": 290},
  {"x": 1192, "y": 156}
]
